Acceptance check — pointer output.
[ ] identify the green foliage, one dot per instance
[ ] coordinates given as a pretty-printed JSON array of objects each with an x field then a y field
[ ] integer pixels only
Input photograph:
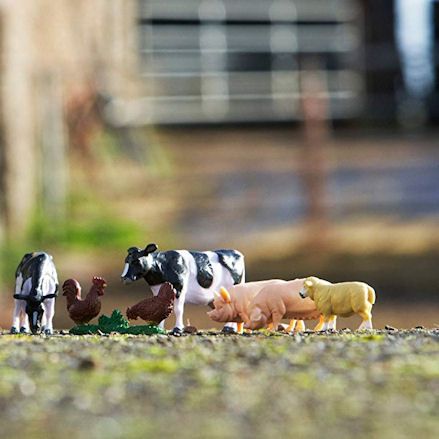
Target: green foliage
[
  {"x": 95, "y": 231},
  {"x": 116, "y": 323}
]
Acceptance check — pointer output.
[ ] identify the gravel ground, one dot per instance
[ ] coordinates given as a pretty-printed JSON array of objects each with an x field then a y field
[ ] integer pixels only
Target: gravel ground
[{"x": 340, "y": 385}]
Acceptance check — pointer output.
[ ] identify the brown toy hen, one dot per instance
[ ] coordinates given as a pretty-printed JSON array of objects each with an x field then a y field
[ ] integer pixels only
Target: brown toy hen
[
  {"x": 81, "y": 311},
  {"x": 154, "y": 309}
]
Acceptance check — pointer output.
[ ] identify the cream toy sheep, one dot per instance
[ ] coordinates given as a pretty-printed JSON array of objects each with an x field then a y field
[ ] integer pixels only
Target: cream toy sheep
[{"x": 342, "y": 299}]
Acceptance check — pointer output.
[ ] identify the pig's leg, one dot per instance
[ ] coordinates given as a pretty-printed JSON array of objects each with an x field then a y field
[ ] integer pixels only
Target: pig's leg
[
  {"x": 291, "y": 326},
  {"x": 240, "y": 328},
  {"x": 319, "y": 325},
  {"x": 276, "y": 318},
  {"x": 300, "y": 326}
]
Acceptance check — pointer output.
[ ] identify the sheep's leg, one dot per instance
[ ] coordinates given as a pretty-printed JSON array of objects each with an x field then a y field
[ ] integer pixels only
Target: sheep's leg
[
  {"x": 300, "y": 326},
  {"x": 291, "y": 326},
  {"x": 367, "y": 320},
  {"x": 332, "y": 322},
  {"x": 326, "y": 320}
]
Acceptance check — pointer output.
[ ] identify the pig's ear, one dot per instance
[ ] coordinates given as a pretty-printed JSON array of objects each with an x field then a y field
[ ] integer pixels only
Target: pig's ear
[
  {"x": 225, "y": 295},
  {"x": 255, "y": 315}
]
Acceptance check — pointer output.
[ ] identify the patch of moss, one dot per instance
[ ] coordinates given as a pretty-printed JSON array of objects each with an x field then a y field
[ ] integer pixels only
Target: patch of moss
[{"x": 116, "y": 323}]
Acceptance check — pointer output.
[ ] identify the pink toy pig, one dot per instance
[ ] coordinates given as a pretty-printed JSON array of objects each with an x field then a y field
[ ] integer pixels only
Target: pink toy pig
[
  {"x": 232, "y": 305},
  {"x": 277, "y": 301}
]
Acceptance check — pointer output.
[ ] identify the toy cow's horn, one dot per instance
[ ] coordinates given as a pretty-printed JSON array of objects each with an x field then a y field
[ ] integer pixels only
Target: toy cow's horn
[{"x": 225, "y": 295}]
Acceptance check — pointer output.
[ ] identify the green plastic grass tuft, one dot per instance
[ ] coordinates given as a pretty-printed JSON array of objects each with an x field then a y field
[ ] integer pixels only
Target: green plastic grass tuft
[{"x": 116, "y": 323}]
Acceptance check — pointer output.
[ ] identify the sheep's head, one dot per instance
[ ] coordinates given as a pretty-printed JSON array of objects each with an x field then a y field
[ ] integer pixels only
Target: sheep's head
[
  {"x": 223, "y": 308},
  {"x": 257, "y": 319},
  {"x": 308, "y": 287}
]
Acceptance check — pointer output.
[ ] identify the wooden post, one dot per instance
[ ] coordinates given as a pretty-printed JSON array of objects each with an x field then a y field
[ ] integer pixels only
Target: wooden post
[
  {"x": 316, "y": 135},
  {"x": 53, "y": 146}
]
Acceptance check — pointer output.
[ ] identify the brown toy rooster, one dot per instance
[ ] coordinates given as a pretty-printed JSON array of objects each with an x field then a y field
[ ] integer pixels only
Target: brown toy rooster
[
  {"x": 154, "y": 309},
  {"x": 81, "y": 311}
]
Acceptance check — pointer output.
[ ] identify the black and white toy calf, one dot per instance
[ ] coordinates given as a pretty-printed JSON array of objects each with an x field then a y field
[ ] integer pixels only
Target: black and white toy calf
[
  {"x": 196, "y": 276},
  {"x": 36, "y": 286}
]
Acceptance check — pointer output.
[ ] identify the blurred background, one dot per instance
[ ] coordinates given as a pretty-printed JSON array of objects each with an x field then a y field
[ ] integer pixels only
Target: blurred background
[{"x": 302, "y": 132}]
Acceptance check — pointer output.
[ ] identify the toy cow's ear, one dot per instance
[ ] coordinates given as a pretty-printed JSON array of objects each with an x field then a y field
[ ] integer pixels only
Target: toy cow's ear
[
  {"x": 225, "y": 295},
  {"x": 150, "y": 248},
  {"x": 308, "y": 283}
]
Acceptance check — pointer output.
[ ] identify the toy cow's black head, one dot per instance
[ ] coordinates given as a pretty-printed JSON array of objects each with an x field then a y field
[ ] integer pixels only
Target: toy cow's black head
[
  {"x": 137, "y": 263},
  {"x": 34, "y": 308}
]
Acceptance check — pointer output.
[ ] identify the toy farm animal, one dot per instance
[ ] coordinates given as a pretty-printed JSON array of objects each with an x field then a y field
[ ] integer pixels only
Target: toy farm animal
[
  {"x": 231, "y": 305},
  {"x": 342, "y": 299},
  {"x": 36, "y": 286},
  {"x": 81, "y": 311},
  {"x": 154, "y": 309},
  {"x": 194, "y": 275},
  {"x": 279, "y": 301}
]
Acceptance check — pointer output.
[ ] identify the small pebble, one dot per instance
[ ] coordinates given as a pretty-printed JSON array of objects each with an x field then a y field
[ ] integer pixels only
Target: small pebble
[
  {"x": 190, "y": 330},
  {"x": 390, "y": 328}
]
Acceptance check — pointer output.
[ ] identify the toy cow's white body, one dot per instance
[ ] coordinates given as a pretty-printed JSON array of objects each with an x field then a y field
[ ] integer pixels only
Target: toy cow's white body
[
  {"x": 194, "y": 275},
  {"x": 192, "y": 292},
  {"x": 37, "y": 289}
]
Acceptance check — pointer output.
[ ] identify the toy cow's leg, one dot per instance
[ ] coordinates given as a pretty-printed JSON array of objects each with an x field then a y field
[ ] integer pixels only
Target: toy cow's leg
[
  {"x": 179, "y": 311},
  {"x": 18, "y": 309},
  {"x": 49, "y": 312},
  {"x": 43, "y": 321}
]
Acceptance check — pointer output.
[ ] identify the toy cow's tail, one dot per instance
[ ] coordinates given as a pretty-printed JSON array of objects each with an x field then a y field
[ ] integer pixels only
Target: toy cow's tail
[{"x": 371, "y": 295}]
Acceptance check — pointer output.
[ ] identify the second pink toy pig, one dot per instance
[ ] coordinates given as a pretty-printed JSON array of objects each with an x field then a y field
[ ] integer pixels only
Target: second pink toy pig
[{"x": 277, "y": 301}]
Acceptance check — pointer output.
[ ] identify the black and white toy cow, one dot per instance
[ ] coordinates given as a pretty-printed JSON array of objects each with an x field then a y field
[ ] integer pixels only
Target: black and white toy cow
[
  {"x": 196, "y": 276},
  {"x": 36, "y": 286}
]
